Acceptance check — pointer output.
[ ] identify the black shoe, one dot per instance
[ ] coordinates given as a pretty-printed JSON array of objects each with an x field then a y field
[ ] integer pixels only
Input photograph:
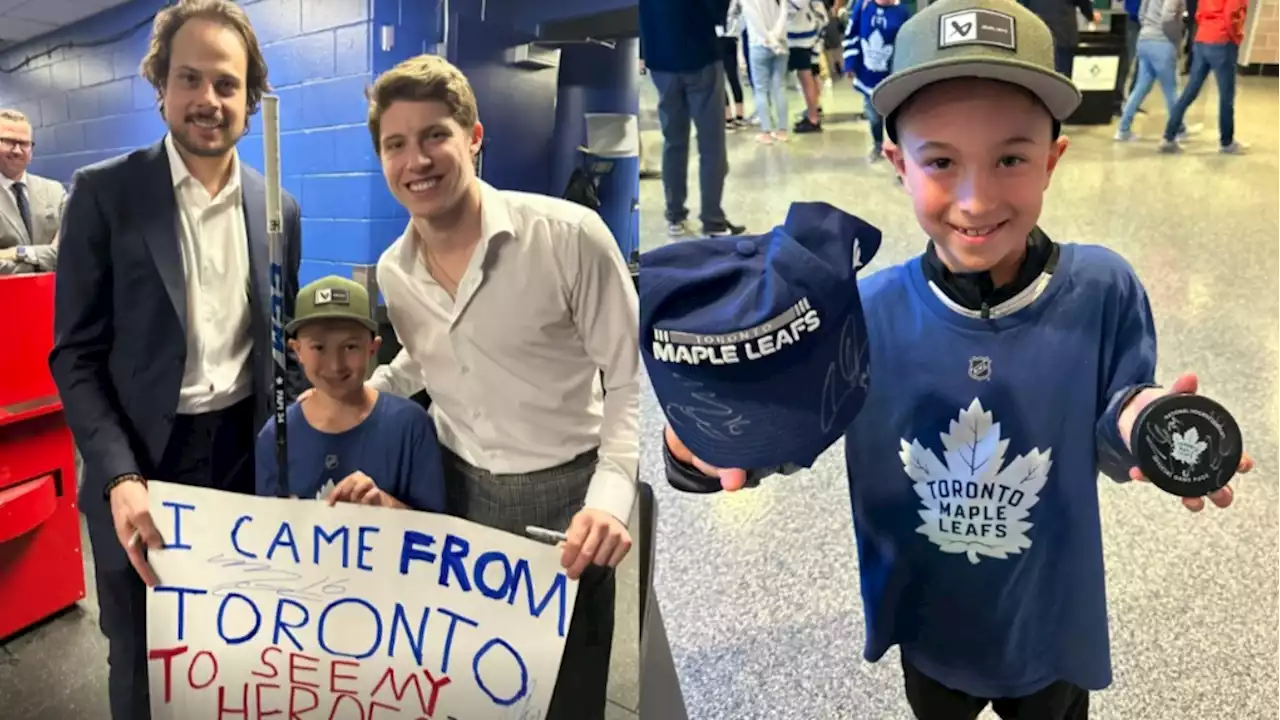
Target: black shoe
[
  {"x": 807, "y": 126},
  {"x": 722, "y": 229}
]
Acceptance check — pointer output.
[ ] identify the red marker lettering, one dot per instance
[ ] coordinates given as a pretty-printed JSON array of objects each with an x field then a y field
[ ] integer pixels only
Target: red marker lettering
[
  {"x": 191, "y": 671},
  {"x": 268, "y": 664},
  {"x": 338, "y": 701},
  {"x": 167, "y": 655},
  {"x": 436, "y": 684},
  {"x": 257, "y": 696},
  {"x": 293, "y": 699},
  {"x": 376, "y": 705},
  {"x": 294, "y": 667},
  {"x": 242, "y": 711},
  {"x": 399, "y": 693},
  {"x": 334, "y": 676}
]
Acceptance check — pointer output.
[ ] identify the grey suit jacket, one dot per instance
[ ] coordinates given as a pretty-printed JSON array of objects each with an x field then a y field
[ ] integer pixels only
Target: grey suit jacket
[{"x": 46, "y": 199}]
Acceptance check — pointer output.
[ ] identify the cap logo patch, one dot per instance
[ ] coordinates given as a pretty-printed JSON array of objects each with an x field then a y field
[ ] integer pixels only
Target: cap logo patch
[
  {"x": 977, "y": 27},
  {"x": 332, "y": 296}
]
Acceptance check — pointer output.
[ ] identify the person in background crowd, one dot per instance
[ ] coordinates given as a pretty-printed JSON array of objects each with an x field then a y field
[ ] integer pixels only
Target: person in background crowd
[
  {"x": 1157, "y": 59},
  {"x": 1219, "y": 32},
  {"x": 518, "y": 316},
  {"x": 869, "y": 41},
  {"x": 728, "y": 33},
  {"x": 162, "y": 352},
  {"x": 1059, "y": 15},
  {"x": 30, "y": 206},
  {"x": 1188, "y": 49},
  {"x": 805, "y": 23},
  {"x": 767, "y": 55},
  {"x": 1128, "y": 71},
  {"x": 680, "y": 50}
]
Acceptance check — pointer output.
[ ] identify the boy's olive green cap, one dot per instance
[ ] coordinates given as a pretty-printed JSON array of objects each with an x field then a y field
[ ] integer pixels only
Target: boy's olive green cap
[
  {"x": 332, "y": 298},
  {"x": 993, "y": 39}
]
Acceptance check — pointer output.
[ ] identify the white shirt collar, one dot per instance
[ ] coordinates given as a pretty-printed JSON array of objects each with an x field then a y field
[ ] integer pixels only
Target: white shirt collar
[
  {"x": 495, "y": 222},
  {"x": 8, "y": 184},
  {"x": 178, "y": 166}
]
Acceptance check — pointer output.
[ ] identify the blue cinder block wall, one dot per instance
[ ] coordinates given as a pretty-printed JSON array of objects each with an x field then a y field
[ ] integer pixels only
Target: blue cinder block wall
[{"x": 89, "y": 103}]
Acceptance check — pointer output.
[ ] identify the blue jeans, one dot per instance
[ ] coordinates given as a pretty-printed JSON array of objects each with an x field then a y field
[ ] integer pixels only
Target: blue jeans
[
  {"x": 1157, "y": 62},
  {"x": 874, "y": 121},
  {"x": 698, "y": 98},
  {"x": 1220, "y": 58},
  {"x": 768, "y": 71}
]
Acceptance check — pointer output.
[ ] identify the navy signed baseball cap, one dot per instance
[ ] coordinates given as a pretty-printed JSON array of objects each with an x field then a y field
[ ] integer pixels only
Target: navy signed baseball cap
[{"x": 756, "y": 345}]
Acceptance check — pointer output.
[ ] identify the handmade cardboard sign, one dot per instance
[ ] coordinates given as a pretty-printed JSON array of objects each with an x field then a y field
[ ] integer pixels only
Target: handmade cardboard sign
[{"x": 285, "y": 608}]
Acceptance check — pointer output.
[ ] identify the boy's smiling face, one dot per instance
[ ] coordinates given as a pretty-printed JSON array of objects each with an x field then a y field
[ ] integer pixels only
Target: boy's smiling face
[
  {"x": 976, "y": 157},
  {"x": 335, "y": 355}
]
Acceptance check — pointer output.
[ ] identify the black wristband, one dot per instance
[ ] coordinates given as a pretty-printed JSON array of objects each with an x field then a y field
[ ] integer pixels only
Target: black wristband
[
  {"x": 127, "y": 477},
  {"x": 687, "y": 478}
]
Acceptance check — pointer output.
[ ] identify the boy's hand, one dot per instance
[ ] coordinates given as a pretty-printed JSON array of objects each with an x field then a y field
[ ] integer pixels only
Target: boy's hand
[
  {"x": 360, "y": 488},
  {"x": 1186, "y": 383},
  {"x": 594, "y": 536},
  {"x": 731, "y": 479}
]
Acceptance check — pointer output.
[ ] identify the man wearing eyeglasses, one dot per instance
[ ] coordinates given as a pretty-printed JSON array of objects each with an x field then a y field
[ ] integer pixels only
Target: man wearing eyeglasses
[{"x": 30, "y": 206}]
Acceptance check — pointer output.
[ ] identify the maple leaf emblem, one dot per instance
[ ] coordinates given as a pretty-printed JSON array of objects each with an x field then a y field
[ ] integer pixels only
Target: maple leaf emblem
[
  {"x": 973, "y": 505},
  {"x": 325, "y": 490},
  {"x": 1187, "y": 446}
]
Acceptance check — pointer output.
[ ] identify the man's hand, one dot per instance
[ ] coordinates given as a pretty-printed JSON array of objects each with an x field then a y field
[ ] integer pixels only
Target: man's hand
[
  {"x": 130, "y": 514},
  {"x": 360, "y": 488},
  {"x": 731, "y": 480},
  {"x": 1186, "y": 383},
  {"x": 593, "y": 537}
]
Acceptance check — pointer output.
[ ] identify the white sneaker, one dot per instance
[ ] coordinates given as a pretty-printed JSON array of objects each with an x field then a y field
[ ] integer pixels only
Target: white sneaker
[
  {"x": 1169, "y": 147},
  {"x": 1125, "y": 136},
  {"x": 1235, "y": 148}
]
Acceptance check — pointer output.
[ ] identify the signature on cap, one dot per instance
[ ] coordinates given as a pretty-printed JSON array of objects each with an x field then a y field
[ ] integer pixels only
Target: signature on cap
[
  {"x": 711, "y": 417},
  {"x": 845, "y": 374}
]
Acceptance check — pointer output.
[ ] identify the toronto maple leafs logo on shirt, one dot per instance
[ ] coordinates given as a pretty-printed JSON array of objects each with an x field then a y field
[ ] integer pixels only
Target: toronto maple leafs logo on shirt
[
  {"x": 1187, "y": 446},
  {"x": 975, "y": 504},
  {"x": 876, "y": 53}
]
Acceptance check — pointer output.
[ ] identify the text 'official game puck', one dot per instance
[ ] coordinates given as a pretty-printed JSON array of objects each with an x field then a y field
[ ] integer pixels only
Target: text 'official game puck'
[{"x": 1186, "y": 444}]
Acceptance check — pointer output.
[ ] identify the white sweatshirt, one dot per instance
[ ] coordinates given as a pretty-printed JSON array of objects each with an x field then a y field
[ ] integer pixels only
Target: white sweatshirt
[{"x": 767, "y": 22}]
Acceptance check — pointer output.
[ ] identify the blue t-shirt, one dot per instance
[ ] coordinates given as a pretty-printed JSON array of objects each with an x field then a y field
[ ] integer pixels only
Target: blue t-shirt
[
  {"x": 973, "y": 470},
  {"x": 869, "y": 39},
  {"x": 395, "y": 446}
]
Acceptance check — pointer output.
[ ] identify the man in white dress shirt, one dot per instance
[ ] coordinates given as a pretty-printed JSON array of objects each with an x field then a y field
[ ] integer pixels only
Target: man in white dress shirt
[{"x": 518, "y": 316}]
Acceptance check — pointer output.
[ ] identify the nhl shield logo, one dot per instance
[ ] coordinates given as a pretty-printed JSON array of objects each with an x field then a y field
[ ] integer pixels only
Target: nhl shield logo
[{"x": 980, "y": 368}]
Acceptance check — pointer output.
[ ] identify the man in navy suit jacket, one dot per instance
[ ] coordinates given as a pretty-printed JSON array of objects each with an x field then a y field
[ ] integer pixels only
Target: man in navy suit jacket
[{"x": 162, "y": 313}]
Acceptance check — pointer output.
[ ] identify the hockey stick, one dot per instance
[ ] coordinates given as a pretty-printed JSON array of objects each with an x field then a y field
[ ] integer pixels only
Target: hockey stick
[{"x": 275, "y": 241}]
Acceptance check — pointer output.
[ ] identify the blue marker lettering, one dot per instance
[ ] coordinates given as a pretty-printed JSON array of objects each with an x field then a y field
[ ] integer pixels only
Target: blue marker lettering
[
  {"x": 448, "y": 638},
  {"x": 222, "y": 610},
  {"x": 400, "y": 619},
  {"x": 414, "y": 547},
  {"x": 524, "y": 672},
  {"x": 558, "y": 590},
  {"x": 182, "y": 604},
  {"x": 377, "y": 619},
  {"x": 455, "y": 548},
  {"x": 363, "y": 548},
  {"x": 326, "y": 538},
  {"x": 235, "y": 541},
  {"x": 177, "y": 543},
  {"x": 286, "y": 628},
  {"x": 482, "y": 564},
  {"x": 284, "y": 538}
]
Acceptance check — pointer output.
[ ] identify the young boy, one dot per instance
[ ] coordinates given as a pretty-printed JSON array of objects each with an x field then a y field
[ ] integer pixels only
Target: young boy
[
  {"x": 1007, "y": 371},
  {"x": 868, "y": 54},
  {"x": 347, "y": 441}
]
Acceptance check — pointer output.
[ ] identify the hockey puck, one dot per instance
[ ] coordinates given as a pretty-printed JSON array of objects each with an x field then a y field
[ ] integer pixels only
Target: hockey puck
[{"x": 1187, "y": 445}]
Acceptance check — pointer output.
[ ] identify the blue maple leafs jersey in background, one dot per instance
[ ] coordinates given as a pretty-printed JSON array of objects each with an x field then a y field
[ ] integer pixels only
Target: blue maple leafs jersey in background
[
  {"x": 395, "y": 446},
  {"x": 869, "y": 39},
  {"x": 973, "y": 470}
]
